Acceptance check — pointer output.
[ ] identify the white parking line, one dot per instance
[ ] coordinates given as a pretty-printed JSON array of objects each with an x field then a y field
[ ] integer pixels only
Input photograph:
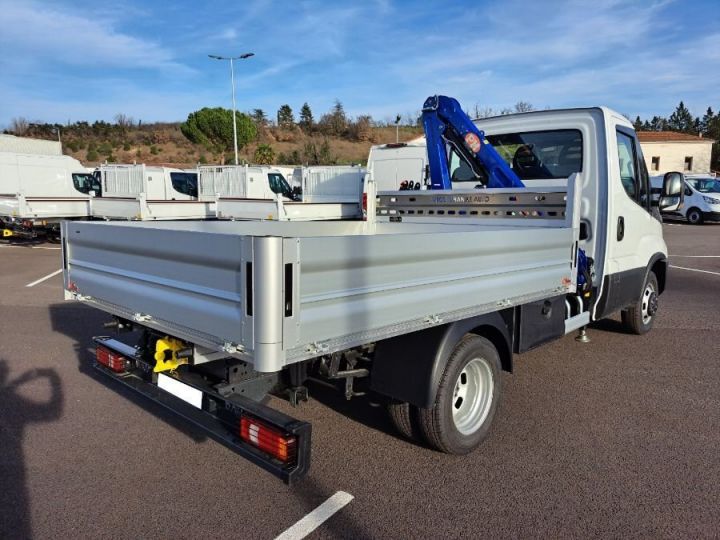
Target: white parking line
[
  {"x": 697, "y": 256},
  {"x": 695, "y": 270},
  {"x": 316, "y": 518},
  {"x": 55, "y": 273},
  {"x": 30, "y": 247}
]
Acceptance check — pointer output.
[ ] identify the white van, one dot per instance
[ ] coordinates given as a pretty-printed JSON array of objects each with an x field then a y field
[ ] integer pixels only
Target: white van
[
  {"x": 702, "y": 198},
  {"x": 38, "y": 191}
]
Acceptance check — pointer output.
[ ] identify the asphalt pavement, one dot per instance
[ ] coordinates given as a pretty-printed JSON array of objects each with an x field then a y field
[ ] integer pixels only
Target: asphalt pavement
[{"x": 619, "y": 437}]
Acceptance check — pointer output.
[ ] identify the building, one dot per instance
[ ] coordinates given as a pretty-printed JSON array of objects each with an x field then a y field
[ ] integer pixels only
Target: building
[{"x": 666, "y": 151}]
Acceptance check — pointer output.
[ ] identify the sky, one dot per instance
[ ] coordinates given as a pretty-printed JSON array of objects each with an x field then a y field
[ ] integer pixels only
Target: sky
[{"x": 63, "y": 61}]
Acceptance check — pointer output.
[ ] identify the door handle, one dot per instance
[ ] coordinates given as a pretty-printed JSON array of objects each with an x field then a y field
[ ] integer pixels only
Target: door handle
[{"x": 621, "y": 228}]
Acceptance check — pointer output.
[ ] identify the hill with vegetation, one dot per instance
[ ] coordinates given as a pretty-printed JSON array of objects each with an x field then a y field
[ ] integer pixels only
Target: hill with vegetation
[{"x": 206, "y": 137}]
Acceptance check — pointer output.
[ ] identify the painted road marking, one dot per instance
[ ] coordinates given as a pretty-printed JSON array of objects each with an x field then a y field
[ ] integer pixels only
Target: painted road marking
[
  {"x": 29, "y": 247},
  {"x": 695, "y": 270},
  {"x": 55, "y": 273},
  {"x": 316, "y": 518},
  {"x": 698, "y": 256}
]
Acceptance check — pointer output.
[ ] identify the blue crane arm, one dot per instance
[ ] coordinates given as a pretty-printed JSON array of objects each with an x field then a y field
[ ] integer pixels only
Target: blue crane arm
[{"x": 444, "y": 122}]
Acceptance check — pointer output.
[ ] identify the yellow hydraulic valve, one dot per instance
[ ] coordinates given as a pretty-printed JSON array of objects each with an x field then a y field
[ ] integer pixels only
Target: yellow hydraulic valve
[
  {"x": 166, "y": 350},
  {"x": 7, "y": 233}
]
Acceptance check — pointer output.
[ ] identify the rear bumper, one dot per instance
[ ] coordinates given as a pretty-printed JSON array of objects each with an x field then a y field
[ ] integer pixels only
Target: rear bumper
[{"x": 219, "y": 415}]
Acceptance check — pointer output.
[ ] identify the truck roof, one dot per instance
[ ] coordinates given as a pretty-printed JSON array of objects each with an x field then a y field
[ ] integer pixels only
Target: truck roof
[{"x": 606, "y": 112}]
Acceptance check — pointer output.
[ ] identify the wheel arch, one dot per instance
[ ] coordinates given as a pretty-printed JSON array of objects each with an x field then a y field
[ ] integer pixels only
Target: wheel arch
[
  {"x": 409, "y": 367},
  {"x": 659, "y": 265}
]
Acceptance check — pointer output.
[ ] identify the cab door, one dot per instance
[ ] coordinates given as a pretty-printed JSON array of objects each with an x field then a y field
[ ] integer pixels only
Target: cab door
[{"x": 634, "y": 234}]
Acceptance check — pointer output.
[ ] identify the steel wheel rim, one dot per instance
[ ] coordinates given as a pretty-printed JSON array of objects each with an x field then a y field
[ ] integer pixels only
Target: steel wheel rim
[
  {"x": 649, "y": 303},
  {"x": 694, "y": 216},
  {"x": 472, "y": 396}
]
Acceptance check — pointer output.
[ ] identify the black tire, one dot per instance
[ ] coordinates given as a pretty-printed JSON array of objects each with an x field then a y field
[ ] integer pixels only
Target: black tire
[
  {"x": 639, "y": 317},
  {"x": 694, "y": 216},
  {"x": 405, "y": 419},
  {"x": 437, "y": 423}
]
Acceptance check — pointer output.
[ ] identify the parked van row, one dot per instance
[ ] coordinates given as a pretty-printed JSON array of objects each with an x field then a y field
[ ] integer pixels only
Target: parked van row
[{"x": 37, "y": 192}]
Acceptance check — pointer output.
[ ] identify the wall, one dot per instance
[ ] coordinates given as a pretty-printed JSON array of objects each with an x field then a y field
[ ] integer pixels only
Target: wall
[{"x": 672, "y": 156}]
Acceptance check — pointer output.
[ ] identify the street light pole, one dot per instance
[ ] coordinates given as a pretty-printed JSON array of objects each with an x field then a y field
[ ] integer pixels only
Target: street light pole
[{"x": 232, "y": 82}]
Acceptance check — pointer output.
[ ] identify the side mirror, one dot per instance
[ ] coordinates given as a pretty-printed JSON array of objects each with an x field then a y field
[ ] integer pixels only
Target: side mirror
[
  {"x": 92, "y": 193},
  {"x": 672, "y": 195}
]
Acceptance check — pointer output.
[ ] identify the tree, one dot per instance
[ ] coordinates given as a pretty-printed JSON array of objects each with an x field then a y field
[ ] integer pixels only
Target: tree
[
  {"x": 213, "y": 128},
  {"x": 306, "y": 118},
  {"x": 285, "y": 118},
  {"x": 658, "y": 123},
  {"x": 523, "y": 106},
  {"x": 681, "y": 120},
  {"x": 19, "y": 126},
  {"x": 337, "y": 120},
  {"x": 259, "y": 117},
  {"x": 318, "y": 155},
  {"x": 361, "y": 129},
  {"x": 706, "y": 121},
  {"x": 124, "y": 121},
  {"x": 264, "y": 155},
  {"x": 637, "y": 124}
]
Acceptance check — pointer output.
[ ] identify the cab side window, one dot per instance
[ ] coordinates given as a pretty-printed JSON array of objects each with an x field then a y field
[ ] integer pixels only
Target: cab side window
[
  {"x": 626, "y": 159},
  {"x": 633, "y": 172}
]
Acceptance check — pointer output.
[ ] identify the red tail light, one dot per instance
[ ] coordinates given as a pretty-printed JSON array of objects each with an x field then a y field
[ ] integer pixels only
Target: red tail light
[
  {"x": 364, "y": 202},
  {"x": 269, "y": 439},
  {"x": 109, "y": 359}
]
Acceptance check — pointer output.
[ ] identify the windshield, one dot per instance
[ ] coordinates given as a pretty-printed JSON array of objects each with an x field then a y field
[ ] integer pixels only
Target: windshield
[
  {"x": 184, "y": 182},
  {"x": 278, "y": 184},
  {"x": 541, "y": 154},
  {"x": 705, "y": 185},
  {"x": 86, "y": 182}
]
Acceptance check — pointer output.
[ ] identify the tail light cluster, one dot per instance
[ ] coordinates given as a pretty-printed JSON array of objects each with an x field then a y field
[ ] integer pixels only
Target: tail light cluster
[
  {"x": 269, "y": 439},
  {"x": 114, "y": 361}
]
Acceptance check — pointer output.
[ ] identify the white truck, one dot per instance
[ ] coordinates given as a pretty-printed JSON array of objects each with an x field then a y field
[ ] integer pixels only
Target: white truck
[
  {"x": 261, "y": 192},
  {"x": 701, "y": 201},
  {"x": 37, "y": 191},
  {"x": 148, "y": 193},
  {"x": 424, "y": 303}
]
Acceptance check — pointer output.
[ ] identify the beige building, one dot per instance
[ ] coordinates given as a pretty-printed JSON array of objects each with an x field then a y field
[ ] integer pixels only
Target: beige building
[{"x": 666, "y": 151}]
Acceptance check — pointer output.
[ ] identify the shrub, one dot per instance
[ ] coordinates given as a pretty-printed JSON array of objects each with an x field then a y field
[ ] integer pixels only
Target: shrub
[{"x": 92, "y": 155}]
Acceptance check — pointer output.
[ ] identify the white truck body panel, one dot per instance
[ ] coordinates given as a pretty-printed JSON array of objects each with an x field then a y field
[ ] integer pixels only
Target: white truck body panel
[
  {"x": 27, "y": 145},
  {"x": 353, "y": 281},
  {"x": 41, "y": 186},
  {"x": 140, "y": 192},
  {"x": 332, "y": 184},
  {"x": 391, "y": 165}
]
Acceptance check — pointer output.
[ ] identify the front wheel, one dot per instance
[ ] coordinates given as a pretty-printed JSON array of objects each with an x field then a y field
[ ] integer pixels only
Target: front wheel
[
  {"x": 694, "y": 216},
  {"x": 466, "y": 399},
  {"x": 639, "y": 317}
]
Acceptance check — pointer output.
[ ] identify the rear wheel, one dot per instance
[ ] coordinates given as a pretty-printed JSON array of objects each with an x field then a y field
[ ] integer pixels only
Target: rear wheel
[
  {"x": 466, "y": 400},
  {"x": 694, "y": 216},
  {"x": 639, "y": 317},
  {"x": 405, "y": 419}
]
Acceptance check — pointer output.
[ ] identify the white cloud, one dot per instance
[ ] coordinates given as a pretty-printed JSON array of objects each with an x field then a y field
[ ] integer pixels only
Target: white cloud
[{"x": 40, "y": 33}]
